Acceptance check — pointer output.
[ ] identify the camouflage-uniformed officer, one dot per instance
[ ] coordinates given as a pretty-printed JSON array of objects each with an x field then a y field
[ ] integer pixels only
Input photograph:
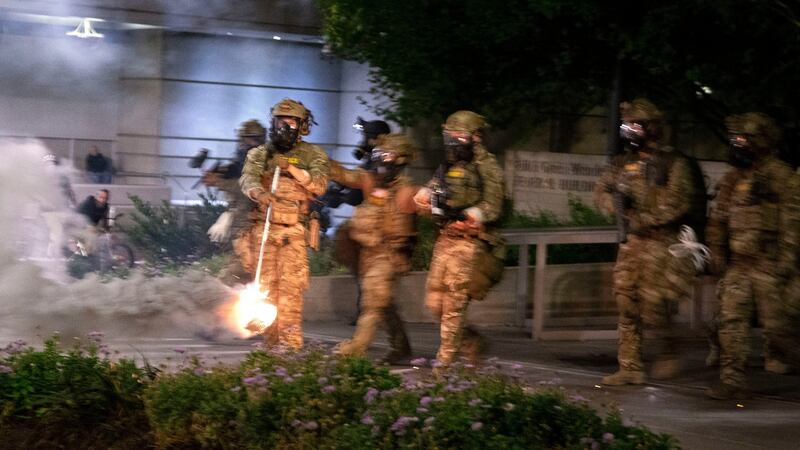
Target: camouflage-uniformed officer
[
  {"x": 753, "y": 235},
  {"x": 466, "y": 198},
  {"x": 304, "y": 175},
  {"x": 658, "y": 187},
  {"x": 235, "y": 221},
  {"x": 346, "y": 250},
  {"x": 383, "y": 227}
]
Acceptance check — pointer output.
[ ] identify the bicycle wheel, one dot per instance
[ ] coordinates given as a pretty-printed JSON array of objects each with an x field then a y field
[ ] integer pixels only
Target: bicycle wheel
[{"x": 121, "y": 257}]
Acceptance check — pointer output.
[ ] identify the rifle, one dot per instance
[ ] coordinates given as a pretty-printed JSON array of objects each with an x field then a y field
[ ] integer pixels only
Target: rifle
[
  {"x": 440, "y": 211},
  {"x": 197, "y": 163},
  {"x": 619, "y": 213}
]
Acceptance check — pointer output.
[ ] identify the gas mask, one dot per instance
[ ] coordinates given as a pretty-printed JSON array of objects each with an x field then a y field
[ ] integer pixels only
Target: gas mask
[
  {"x": 383, "y": 165},
  {"x": 741, "y": 153},
  {"x": 458, "y": 149},
  {"x": 633, "y": 134},
  {"x": 364, "y": 149},
  {"x": 283, "y": 134}
]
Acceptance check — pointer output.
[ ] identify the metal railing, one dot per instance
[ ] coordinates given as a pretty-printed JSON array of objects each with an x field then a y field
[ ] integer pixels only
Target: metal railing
[{"x": 542, "y": 238}]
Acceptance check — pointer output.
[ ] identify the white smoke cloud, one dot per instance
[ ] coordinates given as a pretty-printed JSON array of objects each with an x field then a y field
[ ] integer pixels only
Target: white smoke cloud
[{"x": 33, "y": 302}]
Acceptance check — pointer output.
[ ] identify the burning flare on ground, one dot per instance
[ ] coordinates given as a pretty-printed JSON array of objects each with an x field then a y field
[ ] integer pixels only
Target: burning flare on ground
[{"x": 252, "y": 313}]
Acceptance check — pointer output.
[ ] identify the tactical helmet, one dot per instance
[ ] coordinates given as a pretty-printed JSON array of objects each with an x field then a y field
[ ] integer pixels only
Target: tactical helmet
[
  {"x": 467, "y": 121},
  {"x": 292, "y": 108},
  {"x": 758, "y": 128},
  {"x": 644, "y": 112},
  {"x": 399, "y": 144},
  {"x": 252, "y": 128},
  {"x": 372, "y": 128}
]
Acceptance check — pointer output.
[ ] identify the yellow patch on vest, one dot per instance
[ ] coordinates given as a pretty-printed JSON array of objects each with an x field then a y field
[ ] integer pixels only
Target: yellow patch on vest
[
  {"x": 455, "y": 173},
  {"x": 632, "y": 167},
  {"x": 293, "y": 160},
  {"x": 742, "y": 186},
  {"x": 377, "y": 201}
]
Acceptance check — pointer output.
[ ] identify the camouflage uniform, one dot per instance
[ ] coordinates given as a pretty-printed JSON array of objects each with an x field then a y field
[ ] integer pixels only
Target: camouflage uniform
[
  {"x": 648, "y": 281},
  {"x": 239, "y": 206},
  {"x": 383, "y": 226},
  {"x": 753, "y": 235},
  {"x": 467, "y": 260},
  {"x": 285, "y": 271}
]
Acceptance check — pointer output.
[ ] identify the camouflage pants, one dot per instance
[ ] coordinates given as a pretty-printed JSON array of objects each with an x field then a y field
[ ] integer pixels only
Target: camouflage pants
[
  {"x": 743, "y": 287},
  {"x": 378, "y": 273},
  {"x": 285, "y": 274},
  {"x": 447, "y": 294},
  {"x": 787, "y": 337},
  {"x": 648, "y": 283},
  {"x": 234, "y": 271}
]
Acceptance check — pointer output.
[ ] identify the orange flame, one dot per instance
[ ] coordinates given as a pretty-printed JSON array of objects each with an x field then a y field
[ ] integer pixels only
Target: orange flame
[{"x": 252, "y": 313}]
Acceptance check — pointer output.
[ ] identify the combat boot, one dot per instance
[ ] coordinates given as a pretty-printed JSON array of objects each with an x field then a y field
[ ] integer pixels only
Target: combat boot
[
  {"x": 712, "y": 360},
  {"x": 473, "y": 350},
  {"x": 396, "y": 356},
  {"x": 347, "y": 348},
  {"x": 777, "y": 366},
  {"x": 623, "y": 377},
  {"x": 724, "y": 391},
  {"x": 665, "y": 369}
]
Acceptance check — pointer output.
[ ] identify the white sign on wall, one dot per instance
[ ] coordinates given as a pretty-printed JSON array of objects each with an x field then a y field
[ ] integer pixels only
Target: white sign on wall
[{"x": 543, "y": 181}]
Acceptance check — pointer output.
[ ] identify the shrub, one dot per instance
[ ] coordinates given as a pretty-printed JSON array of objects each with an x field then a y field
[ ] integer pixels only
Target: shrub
[
  {"x": 307, "y": 400},
  {"x": 167, "y": 234},
  {"x": 51, "y": 397},
  {"x": 311, "y": 400}
]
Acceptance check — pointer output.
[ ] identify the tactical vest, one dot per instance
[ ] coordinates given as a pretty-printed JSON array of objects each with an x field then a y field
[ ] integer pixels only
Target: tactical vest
[
  {"x": 378, "y": 221},
  {"x": 292, "y": 200},
  {"x": 464, "y": 186},
  {"x": 754, "y": 217},
  {"x": 650, "y": 178}
]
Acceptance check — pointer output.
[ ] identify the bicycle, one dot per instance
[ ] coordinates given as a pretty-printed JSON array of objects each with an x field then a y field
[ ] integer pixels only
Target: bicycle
[{"x": 109, "y": 252}]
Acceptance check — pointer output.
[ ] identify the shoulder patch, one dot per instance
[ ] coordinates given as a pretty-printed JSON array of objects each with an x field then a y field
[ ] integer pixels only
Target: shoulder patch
[{"x": 455, "y": 173}]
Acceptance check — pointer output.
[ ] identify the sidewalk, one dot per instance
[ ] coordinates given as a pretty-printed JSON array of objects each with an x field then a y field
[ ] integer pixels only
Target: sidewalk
[{"x": 771, "y": 420}]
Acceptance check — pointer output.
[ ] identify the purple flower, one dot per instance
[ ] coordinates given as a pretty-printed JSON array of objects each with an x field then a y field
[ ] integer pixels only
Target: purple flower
[
  {"x": 199, "y": 371},
  {"x": 516, "y": 367},
  {"x": 608, "y": 438},
  {"x": 180, "y": 350},
  {"x": 438, "y": 399},
  {"x": 435, "y": 363},
  {"x": 322, "y": 380},
  {"x": 296, "y": 423},
  {"x": 578, "y": 398},
  {"x": 281, "y": 371},
  {"x": 236, "y": 389},
  {"x": 508, "y": 407},
  {"x": 96, "y": 335},
  {"x": 329, "y": 389},
  {"x": 311, "y": 425},
  {"x": 418, "y": 361},
  {"x": 367, "y": 420},
  {"x": 476, "y": 426},
  {"x": 399, "y": 426},
  {"x": 430, "y": 420},
  {"x": 475, "y": 402},
  {"x": 5, "y": 369},
  {"x": 369, "y": 397},
  {"x": 425, "y": 401},
  {"x": 256, "y": 380},
  {"x": 422, "y": 410}
]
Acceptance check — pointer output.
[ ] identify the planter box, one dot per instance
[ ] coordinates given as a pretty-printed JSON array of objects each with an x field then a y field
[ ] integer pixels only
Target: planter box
[{"x": 579, "y": 297}]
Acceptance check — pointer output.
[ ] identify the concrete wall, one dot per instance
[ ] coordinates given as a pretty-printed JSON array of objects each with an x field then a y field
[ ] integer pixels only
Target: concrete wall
[
  {"x": 152, "y": 98},
  {"x": 581, "y": 299}
]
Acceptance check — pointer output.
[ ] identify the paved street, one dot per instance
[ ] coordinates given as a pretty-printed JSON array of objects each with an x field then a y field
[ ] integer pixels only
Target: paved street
[{"x": 769, "y": 421}]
